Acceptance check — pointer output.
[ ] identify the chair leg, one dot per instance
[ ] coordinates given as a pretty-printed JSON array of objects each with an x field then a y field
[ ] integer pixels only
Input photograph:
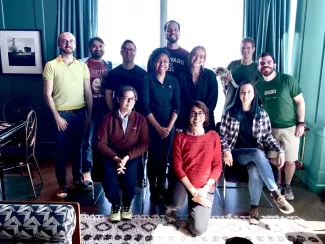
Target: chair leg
[
  {"x": 38, "y": 169},
  {"x": 222, "y": 203},
  {"x": 267, "y": 199},
  {"x": 101, "y": 191},
  {"x": 3, "y": 188},
  {"x": 224, "y": 192},
  {"x": 31, "y": 179}
]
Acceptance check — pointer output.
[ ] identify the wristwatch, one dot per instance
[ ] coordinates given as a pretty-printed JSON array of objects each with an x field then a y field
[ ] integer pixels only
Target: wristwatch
[{"x": 301, "y": 123}]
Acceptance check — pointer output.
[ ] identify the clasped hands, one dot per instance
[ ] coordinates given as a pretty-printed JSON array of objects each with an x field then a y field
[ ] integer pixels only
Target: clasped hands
[
  {"x": 200, "y": 196},
  {"x": 163, "y": 131},
  {"x": 120, "y": 164}
]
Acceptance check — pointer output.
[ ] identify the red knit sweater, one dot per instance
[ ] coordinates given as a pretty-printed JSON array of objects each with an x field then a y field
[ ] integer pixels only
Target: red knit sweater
[{"x": 197, "y": 157}]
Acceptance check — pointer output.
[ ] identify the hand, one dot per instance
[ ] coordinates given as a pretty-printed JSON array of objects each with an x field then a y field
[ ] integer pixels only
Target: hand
[
  {"x": 163, "y": 132},
  {"x": 61, "y": 123},
  {"x": 87, "y": 122},
  {"x": 300, "y": 130},
  {"x": 124, "y": 161},
  {"x": 280, "y": 160},
  {"x": 227, "y": 78},
  {"x": 203, "y": 192},
  {"x": 204, "y": 201},
  {"x": 121, "y": 170},
  {"x": 227, "y": 158}
]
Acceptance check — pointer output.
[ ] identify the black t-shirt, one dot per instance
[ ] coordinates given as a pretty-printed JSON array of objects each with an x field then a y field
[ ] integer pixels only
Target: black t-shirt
[
  {"x": 245, "y": 137},
  {"x": 120, "y": 76}
]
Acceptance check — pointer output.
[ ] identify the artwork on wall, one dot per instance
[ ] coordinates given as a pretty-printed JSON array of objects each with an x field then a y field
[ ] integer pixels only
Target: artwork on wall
[{"x": 21, "y": 52}]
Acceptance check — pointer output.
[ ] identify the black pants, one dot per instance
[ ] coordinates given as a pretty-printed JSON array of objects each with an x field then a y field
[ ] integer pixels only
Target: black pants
[{"x": 158, "y": 154}]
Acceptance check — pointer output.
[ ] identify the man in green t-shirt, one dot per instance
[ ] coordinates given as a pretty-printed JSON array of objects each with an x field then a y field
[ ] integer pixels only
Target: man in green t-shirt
[
  {"x": 244, "y": 69},
  {"x": 283, "y": 101}
]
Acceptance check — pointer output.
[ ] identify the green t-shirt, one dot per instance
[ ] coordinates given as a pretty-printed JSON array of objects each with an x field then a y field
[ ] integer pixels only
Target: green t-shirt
[
  {"x": 240, "y": 73},
  {"x": 277, "y": 98}
]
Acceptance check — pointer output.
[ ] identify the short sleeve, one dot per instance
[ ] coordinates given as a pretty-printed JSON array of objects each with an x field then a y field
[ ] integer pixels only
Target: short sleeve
[
  {"x": 294, "y": 87},
  {"x": 48, "y": 73},
  {"x": 86, "y": 72}
]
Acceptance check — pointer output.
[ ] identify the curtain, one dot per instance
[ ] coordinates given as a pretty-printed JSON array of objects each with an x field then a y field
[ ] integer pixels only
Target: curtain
[
  {"x": 267, "y": 21},
  {"x": 80, "y": 18}
]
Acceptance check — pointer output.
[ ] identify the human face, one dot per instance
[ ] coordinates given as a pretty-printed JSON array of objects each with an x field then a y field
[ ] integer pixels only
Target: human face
[
  {"x": 97, "y": 49},
  {"x": 161, "y": 64},
  {"x": 127, "y": 101},
  {"x": 172, "y": 32},
  {"x": 246, "y": 94},
  {"x": 198, "y": 58},
  {"x": 67, "y": 43},
  {"x": 197, "y": 117},
  {"x": 247, "y": 50},
  {"x": 128, "y": 52},
  {"x": 266, "y": 66}
]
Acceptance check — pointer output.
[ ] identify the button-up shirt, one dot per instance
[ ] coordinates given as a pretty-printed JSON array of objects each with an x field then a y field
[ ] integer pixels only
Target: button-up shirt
[{"x": 124, "y": 119}]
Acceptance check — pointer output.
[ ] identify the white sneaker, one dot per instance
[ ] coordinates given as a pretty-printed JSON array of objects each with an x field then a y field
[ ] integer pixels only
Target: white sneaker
[{"x": 88, "y": 181}]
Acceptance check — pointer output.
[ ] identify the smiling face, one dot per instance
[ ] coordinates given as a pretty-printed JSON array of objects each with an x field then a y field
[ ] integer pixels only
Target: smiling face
[
  {"x": 67, "y": 43},
  {"x": 197, "y": 117},
  {"x": 161, "y": 64},
  {"x": 266, "y": 66},
  {"x": 247, "y": 50},
  {"x": 246, "y": 94},
  {"x": 172, "y": 32},
  {"x": 97, "y": 49},
  {"x": 198, "y": 58},
  {"x": 128, "y": 52},
  {"x": 127, "y": 101}
]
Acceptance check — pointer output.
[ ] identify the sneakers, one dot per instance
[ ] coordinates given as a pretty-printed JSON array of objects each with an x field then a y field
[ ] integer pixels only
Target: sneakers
[
  {"x": 254, "y": 216},
  {"x": 62, "y": 192},
  {"x": 282, "y": 203},
  {"x": 288, "y": 194},
  {"x": 81, "y": 185},
  {"x": 171, "y": 216},
  {"x": 126, "y": 211},
  {"x": 115, "y": 215},
  {"x": 88, "y": 181}
]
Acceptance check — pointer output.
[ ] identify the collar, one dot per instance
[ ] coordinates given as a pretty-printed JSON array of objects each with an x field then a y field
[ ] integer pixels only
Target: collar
[
  {"x": 60, "y": 59},
  {"x": 121, "y": 116}
]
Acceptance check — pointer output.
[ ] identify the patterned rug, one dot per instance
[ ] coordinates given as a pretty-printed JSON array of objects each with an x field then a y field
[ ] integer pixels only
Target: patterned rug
[{"x": 96, "y": 229}]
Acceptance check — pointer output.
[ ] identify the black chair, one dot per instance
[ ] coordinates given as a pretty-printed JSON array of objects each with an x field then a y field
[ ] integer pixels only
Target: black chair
[
  {"x": 16, "y": 110},
  {"x": 239, "y": 174},
  {"x": 19, "y": 154}
]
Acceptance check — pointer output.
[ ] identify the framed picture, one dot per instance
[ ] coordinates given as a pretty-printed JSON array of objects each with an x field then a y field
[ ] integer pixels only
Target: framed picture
[{"x": 21, "y": 52}]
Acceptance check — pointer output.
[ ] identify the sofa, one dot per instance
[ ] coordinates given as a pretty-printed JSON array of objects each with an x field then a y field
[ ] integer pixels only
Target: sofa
[{"x": 39, "y": 222}]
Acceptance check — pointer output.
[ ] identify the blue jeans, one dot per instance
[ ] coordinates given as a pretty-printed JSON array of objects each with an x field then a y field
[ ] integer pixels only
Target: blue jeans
[
  {"x": 69, "y": 142},
  {"x": 112, "y": 182},
  {"x": 87, "y": 146},
  {"x": 259, "y": 171}
]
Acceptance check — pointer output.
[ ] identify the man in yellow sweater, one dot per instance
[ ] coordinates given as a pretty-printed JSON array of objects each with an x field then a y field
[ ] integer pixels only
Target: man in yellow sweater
[{"x": 68, "y": 94}]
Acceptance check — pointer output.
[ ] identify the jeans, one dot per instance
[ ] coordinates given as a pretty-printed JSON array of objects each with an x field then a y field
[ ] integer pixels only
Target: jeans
[
  {"x": 112, "y": 182},
  {"x": 87, "y": 146},
  {"x": 158, "y": 156},
  {"x": 259, "y": 170},
  {"x": 69, "y": 141},
  {"x": 198, "y": 215}
]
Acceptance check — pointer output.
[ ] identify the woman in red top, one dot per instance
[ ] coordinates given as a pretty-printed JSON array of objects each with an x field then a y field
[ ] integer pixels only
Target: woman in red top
[{"x": 197, "y": 164}]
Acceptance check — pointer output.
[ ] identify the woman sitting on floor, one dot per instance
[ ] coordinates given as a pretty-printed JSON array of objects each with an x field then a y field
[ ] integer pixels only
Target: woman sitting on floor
[
  {"x": 123, "y": 137},
  {"x": 197, "y": 164},
  {"x": 245, "y": 133}
]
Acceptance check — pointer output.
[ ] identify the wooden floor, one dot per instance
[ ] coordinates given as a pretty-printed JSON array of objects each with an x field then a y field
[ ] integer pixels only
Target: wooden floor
[{"x": 307, "y": 204}]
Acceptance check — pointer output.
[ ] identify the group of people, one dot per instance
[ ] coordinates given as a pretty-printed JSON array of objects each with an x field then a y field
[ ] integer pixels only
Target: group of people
[{"x": 124, "y": 112}]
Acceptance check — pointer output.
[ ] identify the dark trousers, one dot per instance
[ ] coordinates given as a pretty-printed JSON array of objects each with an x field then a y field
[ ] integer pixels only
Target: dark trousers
[
  {"x": 69, "y": 141},
  {"x": 112, "y": 182},
  {"x": 198, "y": 215},
  {"x": 158, "y": 154}
]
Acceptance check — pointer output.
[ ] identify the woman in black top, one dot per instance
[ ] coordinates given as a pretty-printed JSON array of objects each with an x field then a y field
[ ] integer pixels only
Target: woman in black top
[
  {"x": 161, "y": 98},
  {"x": 197, "y": 84}
]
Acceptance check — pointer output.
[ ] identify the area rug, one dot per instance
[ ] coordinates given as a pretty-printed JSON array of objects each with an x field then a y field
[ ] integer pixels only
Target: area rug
[{"x": 154, "y": 229}]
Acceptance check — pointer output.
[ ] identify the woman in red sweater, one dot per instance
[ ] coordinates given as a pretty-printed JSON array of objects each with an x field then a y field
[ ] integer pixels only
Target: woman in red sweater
[
  {"x": 123, "y": 137},
  {"x": 197, "y": 164}
]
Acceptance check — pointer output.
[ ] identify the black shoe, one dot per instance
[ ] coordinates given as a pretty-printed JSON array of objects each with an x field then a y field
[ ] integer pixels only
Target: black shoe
[
  {"x": 62, "y": 192},
  {"x": 81, "y": 185},
  {"x": 254, "y": 216}
]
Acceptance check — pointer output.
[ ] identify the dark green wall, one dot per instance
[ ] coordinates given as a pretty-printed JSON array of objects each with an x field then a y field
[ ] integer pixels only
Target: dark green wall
[
  {"x": 309, "y": 69},
  {"x": 30, "y": 15}
]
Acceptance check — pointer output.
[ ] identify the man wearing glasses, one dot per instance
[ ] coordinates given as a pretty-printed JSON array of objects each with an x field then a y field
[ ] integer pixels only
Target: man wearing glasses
[
  {"x": 126, "y": 74},
  {"x": 68, "y": 94}
]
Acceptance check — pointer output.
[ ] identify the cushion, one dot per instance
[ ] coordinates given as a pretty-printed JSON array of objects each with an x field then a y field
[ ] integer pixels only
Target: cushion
[{"x": 37, "y": 222}]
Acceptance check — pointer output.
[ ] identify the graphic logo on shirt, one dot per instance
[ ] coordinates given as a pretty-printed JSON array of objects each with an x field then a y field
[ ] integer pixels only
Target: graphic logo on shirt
[
  {"x": 270, "y": 92},
  {"x": 97, "y": 77},
  {"x": 135, "y": 128},
  {"x": 174, "y": 60}
]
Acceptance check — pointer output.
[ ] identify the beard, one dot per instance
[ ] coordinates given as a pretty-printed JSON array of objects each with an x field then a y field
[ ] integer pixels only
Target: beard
[
  {"x": 67, "y": 51},
  {"x": 267, "y": 71},
  {"x": 172, "y": 40},
  {"x": 97, "y": 55}
]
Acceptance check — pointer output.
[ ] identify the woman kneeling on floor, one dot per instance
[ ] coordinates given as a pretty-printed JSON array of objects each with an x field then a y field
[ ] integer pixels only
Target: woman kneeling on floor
[
  {"x": 245, "y": 133},
  {"x": 123, "y": 137},
  {"x": 197, "y": 164}
]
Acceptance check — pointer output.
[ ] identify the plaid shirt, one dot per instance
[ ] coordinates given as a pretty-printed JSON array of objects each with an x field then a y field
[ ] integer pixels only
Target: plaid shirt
[{"x": 229, "y": 130}]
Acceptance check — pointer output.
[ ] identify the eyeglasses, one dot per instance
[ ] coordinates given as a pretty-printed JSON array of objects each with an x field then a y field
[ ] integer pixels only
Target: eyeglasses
[
  {"x": 194, "y": 114},
  {"x": 129, "y": 99},
  {"x": 132, "y": 50},
  {"x": 65, "y": 41}
]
